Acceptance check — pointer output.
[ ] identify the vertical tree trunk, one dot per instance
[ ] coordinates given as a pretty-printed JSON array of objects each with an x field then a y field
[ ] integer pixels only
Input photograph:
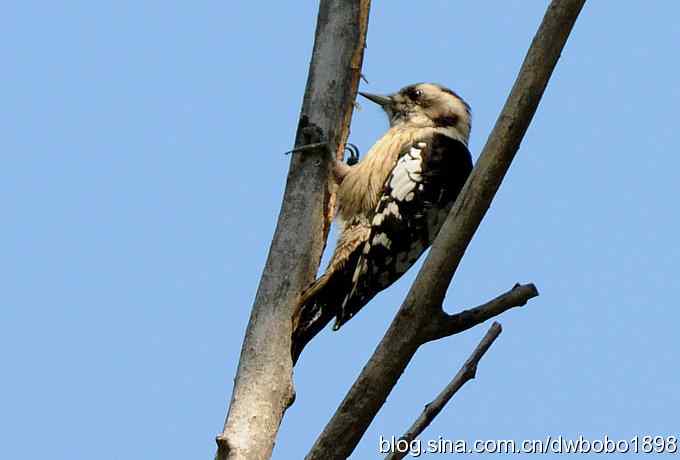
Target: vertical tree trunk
[{"x": 263, "y": 387}]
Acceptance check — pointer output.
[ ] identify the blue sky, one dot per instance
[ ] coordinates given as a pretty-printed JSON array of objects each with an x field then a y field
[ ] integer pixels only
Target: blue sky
[{"x": 141, "y": 178}]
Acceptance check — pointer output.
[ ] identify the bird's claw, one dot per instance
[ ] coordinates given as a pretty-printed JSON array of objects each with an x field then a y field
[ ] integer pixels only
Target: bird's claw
[{"x": 353, "y": 151}]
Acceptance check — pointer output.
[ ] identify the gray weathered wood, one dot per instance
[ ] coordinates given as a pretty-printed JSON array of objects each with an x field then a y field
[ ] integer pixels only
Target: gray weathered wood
[{"x": 263, "y": 387}]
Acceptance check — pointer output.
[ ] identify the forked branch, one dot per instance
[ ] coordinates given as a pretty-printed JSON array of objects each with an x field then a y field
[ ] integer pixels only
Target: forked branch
[{"x": 409, "y": 329}]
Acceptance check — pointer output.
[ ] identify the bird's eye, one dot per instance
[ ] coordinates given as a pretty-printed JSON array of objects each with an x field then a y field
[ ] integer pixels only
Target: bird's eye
[{"x": 414, "y": 93}]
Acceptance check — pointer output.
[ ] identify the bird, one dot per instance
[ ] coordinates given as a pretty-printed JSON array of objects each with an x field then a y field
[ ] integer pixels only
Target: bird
[{"x": 390, "y": 205}]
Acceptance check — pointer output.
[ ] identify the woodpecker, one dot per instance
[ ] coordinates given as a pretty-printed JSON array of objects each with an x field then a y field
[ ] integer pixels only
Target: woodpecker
[{"x": 391, "y": 204}]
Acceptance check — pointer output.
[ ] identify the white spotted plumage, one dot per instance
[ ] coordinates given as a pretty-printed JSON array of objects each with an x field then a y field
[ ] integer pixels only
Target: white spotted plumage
[{"x": 406, "y": 173}]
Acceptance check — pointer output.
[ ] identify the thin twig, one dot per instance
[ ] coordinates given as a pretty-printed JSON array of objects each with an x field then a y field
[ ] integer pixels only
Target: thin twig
[
  {"x": 308, "y": 147},
  {"x": 464, "y": 375}
]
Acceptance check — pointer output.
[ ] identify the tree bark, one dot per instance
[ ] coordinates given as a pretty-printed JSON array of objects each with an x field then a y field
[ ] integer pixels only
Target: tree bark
[
  {"x": 263, "y": 387},
  {"x": 414, "y": 322}
]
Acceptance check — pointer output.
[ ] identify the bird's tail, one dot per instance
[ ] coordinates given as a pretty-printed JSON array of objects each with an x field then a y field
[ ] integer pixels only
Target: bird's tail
[
  {"x": 310, "y": 315},
  {"x": 325, "y": 298},
  {"x": 321, "y": 302}
]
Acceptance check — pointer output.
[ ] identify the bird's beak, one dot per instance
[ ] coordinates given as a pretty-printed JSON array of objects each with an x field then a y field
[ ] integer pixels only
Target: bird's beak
[{"x": 382, "y": 101}]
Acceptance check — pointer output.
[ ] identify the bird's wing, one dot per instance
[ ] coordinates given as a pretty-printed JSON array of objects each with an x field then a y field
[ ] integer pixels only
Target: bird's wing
[{"x": 415, "y": 200}]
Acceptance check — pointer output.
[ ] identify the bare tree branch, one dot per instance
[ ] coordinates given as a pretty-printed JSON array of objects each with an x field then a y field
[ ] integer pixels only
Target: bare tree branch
[
  {"x": 263, "y": 387},
  {"x": 464, "y": 375},
  {"x": 444, "y": 325},
  {"x": 405, "y": 335},
  {"x": 409, "y": 328}
]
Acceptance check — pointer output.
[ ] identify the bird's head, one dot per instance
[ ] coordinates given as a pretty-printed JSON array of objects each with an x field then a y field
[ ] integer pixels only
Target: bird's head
[{"x": 426, "y": 105}]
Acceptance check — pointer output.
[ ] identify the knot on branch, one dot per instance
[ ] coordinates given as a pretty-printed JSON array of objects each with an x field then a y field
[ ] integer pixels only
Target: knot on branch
[{"x": 311, "y": 133}]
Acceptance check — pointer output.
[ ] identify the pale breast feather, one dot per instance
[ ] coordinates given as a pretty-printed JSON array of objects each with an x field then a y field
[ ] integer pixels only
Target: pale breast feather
[{"x": 414, "y": 202}]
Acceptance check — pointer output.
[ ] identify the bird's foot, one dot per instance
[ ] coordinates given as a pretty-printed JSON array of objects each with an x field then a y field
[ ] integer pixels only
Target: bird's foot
[
  {"x": 340, "y": 169},
  {"x": 353, "y": 151}
]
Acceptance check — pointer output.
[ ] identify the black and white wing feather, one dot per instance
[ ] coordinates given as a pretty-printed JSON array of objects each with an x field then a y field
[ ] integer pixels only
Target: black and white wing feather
[{"x": 415, "y": 200}]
